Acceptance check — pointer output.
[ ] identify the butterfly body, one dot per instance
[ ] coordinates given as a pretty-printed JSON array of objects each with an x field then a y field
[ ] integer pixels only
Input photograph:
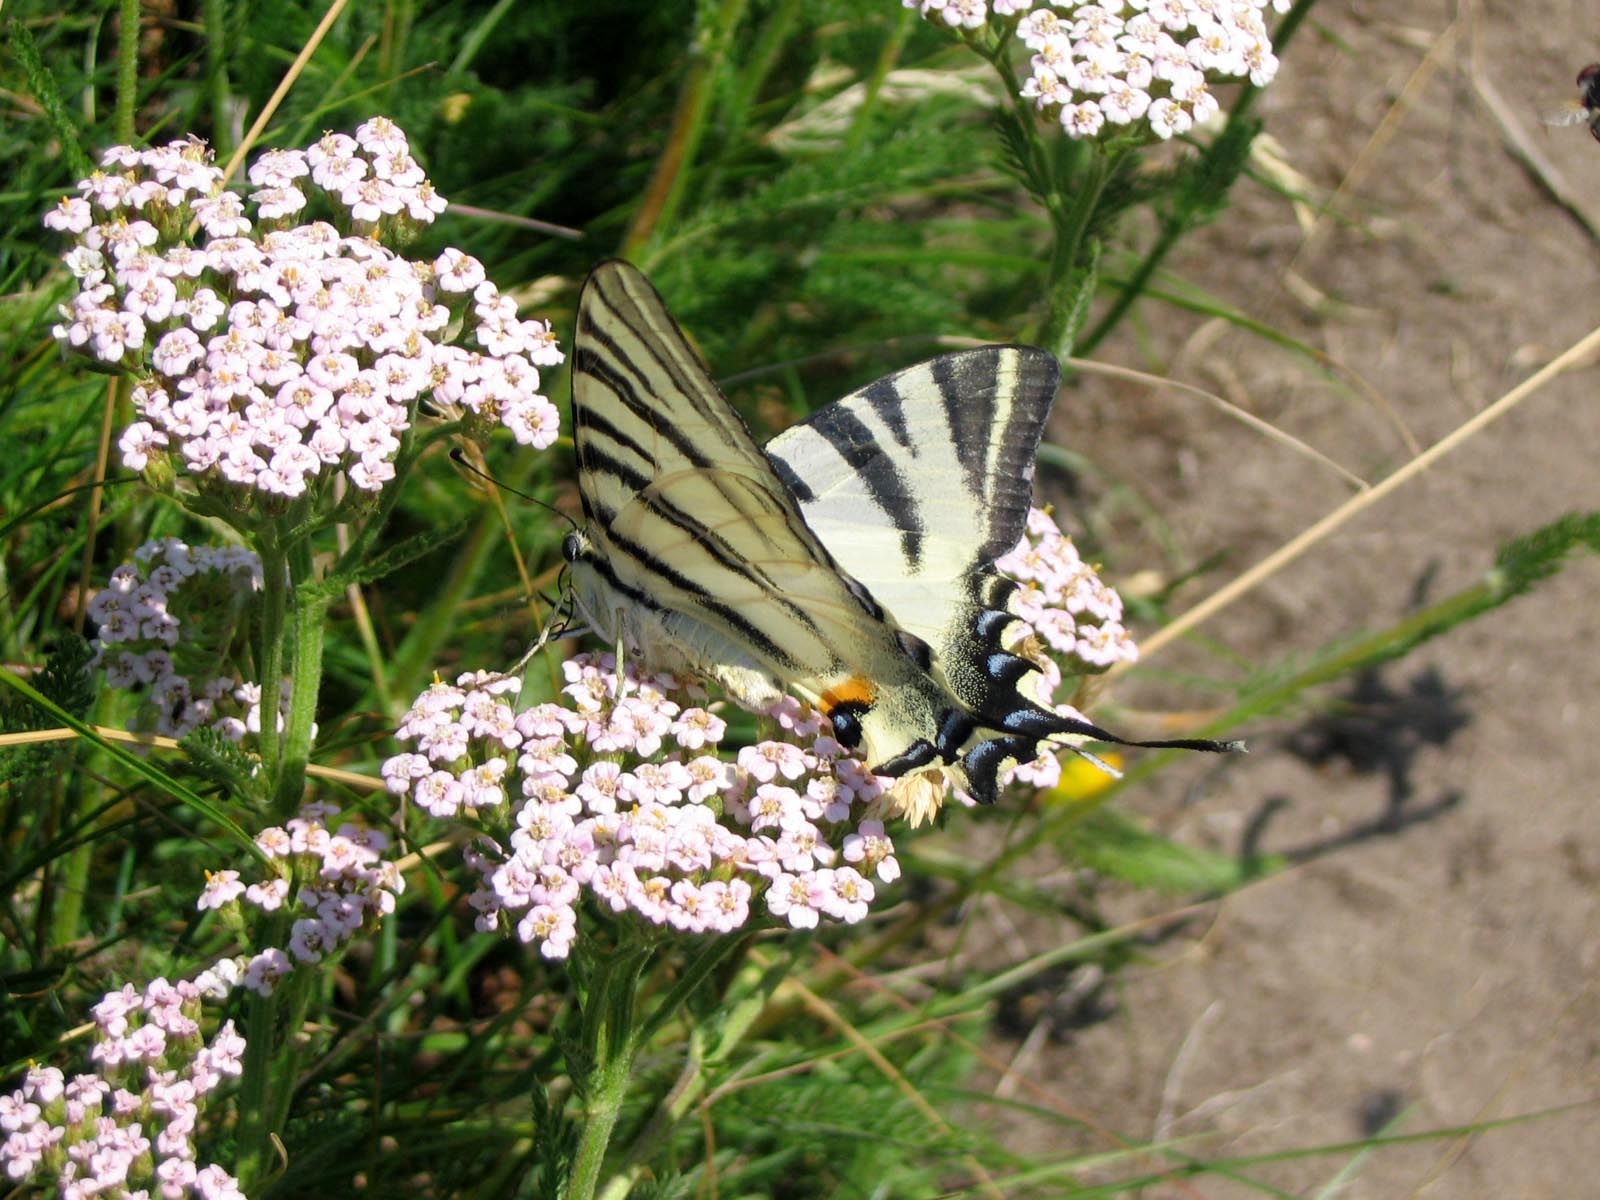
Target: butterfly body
[{"x": 848, "y": 564}]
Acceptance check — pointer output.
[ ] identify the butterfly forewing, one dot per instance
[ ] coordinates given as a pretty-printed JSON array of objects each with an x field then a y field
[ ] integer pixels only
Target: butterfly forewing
[
  {"x": 697, "y": 543},
  {"x": 643, "y": 406}
]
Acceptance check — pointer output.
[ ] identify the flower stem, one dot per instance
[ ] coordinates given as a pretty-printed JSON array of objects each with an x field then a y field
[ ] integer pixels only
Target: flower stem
[
  {"x": 255, "y": 1086},
  {"x": 214, "y": 14},
  {"x": 305, "y": 681},
  {"x": 275, "y": 588},
  {"x": 127, "y": 70},
  {"x": 610, "y": 1042},
  {"x": 1075, "y": 257}
]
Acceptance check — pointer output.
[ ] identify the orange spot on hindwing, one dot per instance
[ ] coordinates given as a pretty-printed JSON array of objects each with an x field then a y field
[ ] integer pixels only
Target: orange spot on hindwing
[
  {"x": 854, "y": 690},
  {"x": 845, "y": 705}
]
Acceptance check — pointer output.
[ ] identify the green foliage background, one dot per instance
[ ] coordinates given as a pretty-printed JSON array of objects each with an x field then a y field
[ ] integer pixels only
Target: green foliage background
[{"x": 819, "y": 229}]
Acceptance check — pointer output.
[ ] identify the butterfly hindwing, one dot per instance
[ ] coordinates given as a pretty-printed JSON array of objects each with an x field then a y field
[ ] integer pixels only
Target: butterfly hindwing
[{"x": 918, "y": 482}]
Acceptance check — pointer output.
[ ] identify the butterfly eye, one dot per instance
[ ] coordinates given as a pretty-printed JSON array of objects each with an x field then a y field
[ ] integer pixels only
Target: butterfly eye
[
  {"x": 846, "y": 717},
  {"x": 572, "y": 547}
]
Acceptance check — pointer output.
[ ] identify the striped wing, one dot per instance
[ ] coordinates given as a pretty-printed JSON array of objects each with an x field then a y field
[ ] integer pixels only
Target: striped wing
[
  {"x": 696, "y": 550},
  {"x": 918, "y": 482},
  {"x": 849, "y": 565}
]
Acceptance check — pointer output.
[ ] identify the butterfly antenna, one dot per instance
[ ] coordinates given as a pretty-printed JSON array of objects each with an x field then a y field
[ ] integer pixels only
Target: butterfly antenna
[
  {"x": 1210, "y": 745},
  {"x": 460, "y": 459}
]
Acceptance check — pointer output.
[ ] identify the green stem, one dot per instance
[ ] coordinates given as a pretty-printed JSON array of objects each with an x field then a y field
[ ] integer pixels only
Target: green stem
[
  {"x": 887, "y": 58},
  {"x": 127, "y": 70},
  {"x": 738, "y": 1018},
  {"x": 1069, "y": 180},
  {"x": 763, "y": 55},
  {"x": 72, "y": 880},
  {"x": 255, "y": 1084},
  {"x": 275, "y": 591},
  {"x": 305, "y": 681},
  {"x": 1074, "y": 259},
  {"x": 1176, "y": 224},
  {"x": 610, "y": 1042},
  {"x": 418, "y": 650},
  {"x": 665, "y": 192},
  {"x": 1134, "y": 287},
  {"x": 273, "y": 1050},
  {"x": 214, "y": 15}
]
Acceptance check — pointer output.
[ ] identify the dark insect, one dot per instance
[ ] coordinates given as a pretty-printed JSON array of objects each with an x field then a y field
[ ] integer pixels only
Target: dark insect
[{"x": 1585, "y": 110}]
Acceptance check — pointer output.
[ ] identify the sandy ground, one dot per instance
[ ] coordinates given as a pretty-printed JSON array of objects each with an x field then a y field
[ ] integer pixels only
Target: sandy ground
[{"x": 1432, "y": 961}]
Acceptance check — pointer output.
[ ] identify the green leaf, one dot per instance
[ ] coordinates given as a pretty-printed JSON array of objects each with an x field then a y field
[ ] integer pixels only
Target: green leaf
[
  {"x": 391, "y": 560},
  {"x": 134, "y": 763},
  {"x": 1112, "y": 844}
]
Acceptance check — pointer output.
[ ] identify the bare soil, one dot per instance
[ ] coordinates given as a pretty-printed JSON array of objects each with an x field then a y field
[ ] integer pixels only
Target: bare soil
[{"x": 1432, "y": 960}]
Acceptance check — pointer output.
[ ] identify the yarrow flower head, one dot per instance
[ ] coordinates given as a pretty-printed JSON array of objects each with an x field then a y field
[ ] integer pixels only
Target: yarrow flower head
[
  {"x": 1126, "y": 64},
  {"x": 271, "y": 352},
  {"x": 332, "y": 881},
  {"x": 1066, "y": 603},
  {"x": 129, "y": 1127},
  {"x": 166, "y": 621},
  {"x": 616, "y": 794}
]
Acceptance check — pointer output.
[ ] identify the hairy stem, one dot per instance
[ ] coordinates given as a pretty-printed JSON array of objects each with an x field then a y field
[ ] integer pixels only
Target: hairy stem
[
  {"x": 127, "y": 70},
  {"x": 610, "y": 1042}
]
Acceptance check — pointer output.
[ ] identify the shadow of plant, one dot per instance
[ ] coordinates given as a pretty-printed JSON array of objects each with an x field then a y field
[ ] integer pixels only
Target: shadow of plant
[{"x": 1376, "y": 729}]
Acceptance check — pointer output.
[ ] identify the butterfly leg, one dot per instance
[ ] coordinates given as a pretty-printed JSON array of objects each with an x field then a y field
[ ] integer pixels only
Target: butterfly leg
[{"x": 622, "y": 674}]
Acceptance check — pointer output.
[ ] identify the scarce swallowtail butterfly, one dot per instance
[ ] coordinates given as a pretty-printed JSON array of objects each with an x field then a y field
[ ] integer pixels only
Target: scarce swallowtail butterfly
[{"x": 850, "y": 564}]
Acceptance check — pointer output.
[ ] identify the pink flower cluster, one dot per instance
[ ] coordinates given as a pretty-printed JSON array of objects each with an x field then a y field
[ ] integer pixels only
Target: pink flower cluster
[
  {"x": 170, "y": 614},
  {"x": 336, "y": 880},
  {"x": 1127, "y": 61},
  {"x": 272, "y": 357},
  {"x": 1073, "y": 627},
  {"x": 1069, "y": 606},
  {"x": 128, "y": 1128},
  {"x": 618, "y": 793}
]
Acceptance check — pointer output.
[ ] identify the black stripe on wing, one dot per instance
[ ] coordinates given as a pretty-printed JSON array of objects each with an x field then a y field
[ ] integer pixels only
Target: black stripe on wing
[
  {"x": 733, "y": 618},
  {"x": 609, "y": 371},
  {"x": 961, "y": 430},
  {"x": 888, "y": 479},
  {"x": 969, "y": 389},
  {"x": 997, "y": 404},
  {"x": 618, "y": 295}
]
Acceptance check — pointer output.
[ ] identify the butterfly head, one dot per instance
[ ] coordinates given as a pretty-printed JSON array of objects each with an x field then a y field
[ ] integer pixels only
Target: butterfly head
[{"x": 576, "y": 546}]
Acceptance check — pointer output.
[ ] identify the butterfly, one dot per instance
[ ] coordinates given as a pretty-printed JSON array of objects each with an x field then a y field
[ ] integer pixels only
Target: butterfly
[{"x": 849, "y": 564}]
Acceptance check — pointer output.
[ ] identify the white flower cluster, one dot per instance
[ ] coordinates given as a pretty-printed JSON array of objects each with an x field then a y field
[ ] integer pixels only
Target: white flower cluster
[
  {"x": 128, "y": 1128},
  {"x": 271, "y": 356},
  {"x": 1069, "y": 606},
  {"x": 1128, "y": 61},
  {"x": 166, "y": 616},
  {"x": 344, "y": 886},
  {"x": 618, "y": 793}
]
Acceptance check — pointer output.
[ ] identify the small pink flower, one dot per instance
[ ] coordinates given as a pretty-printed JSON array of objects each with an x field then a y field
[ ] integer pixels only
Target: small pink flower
[{"x": 222, "y": 888}]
